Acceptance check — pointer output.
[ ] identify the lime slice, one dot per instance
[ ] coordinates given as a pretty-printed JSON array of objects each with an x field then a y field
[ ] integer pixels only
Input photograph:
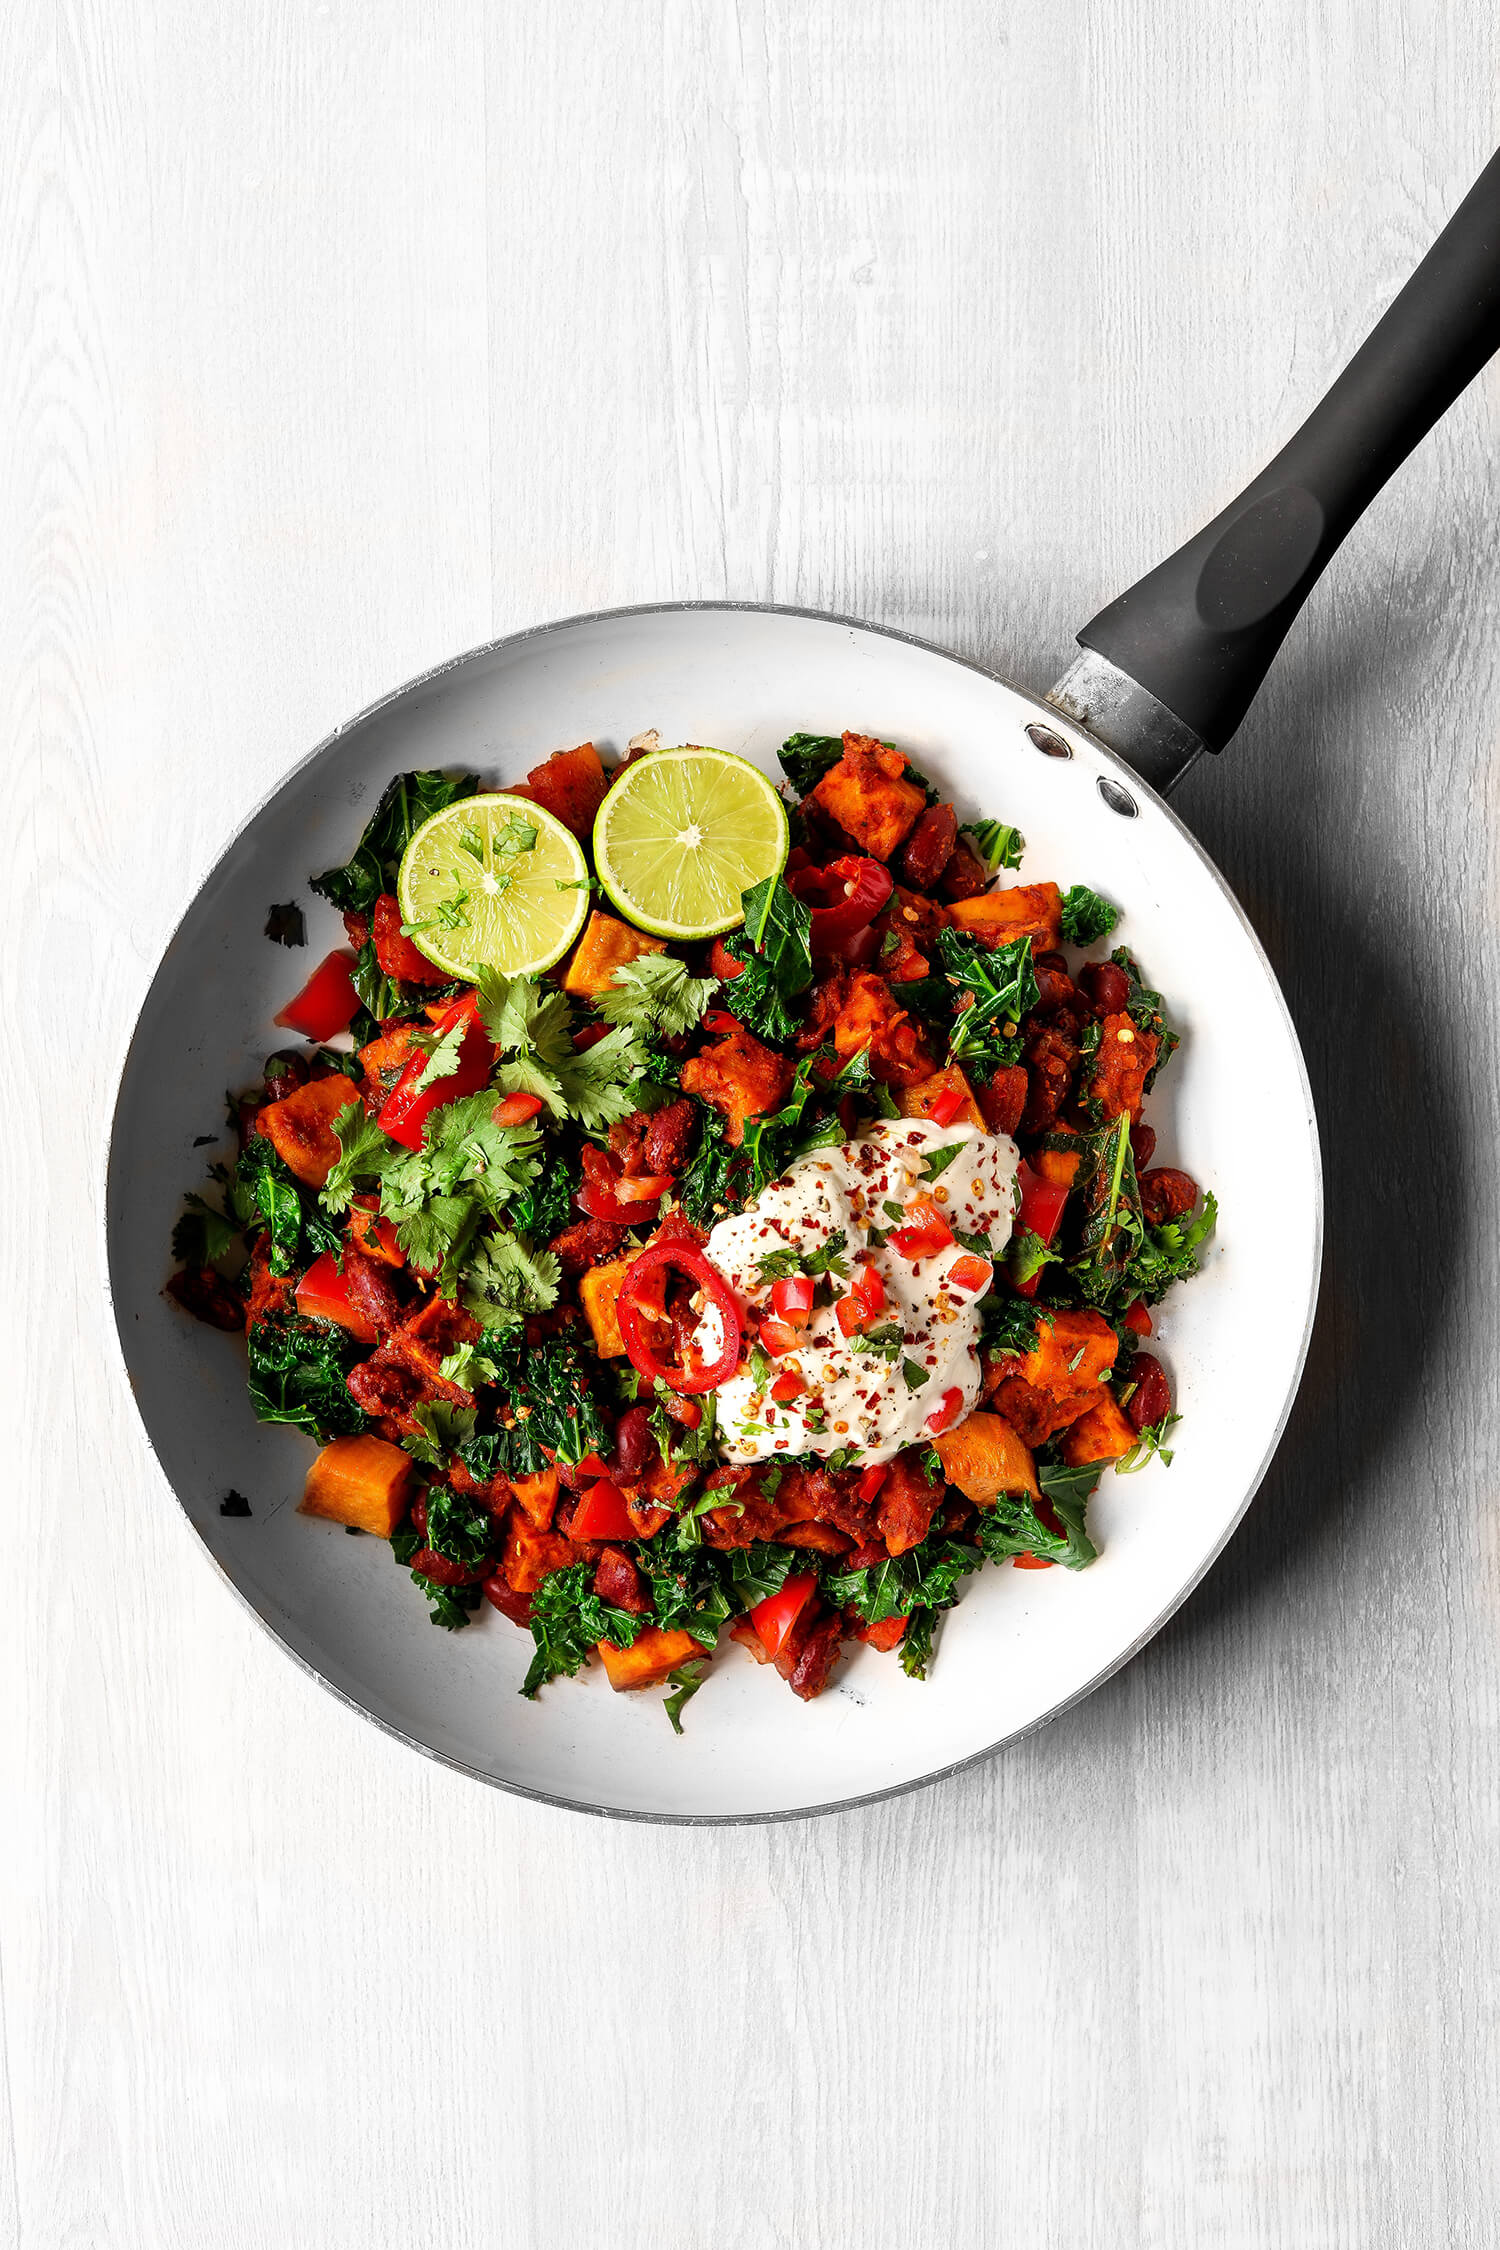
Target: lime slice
[
  {"x": 681, "y": 834},
  {"x": 493, "y": 883}
]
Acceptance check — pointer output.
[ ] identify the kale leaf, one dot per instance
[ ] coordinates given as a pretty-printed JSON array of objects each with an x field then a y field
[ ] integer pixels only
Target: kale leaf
[
  {"x": 998, "y": 844},
  {"x": 411, "y": 799},
  {"x": 298, "y": 1371},
  {"x": 1004, "y": 988},
  {"x": 567, "y": 1619},
  {"x": 1013, "y": 1527},
  {"x": 1086, "y": 917},
  {"x": 776, "y": 947},
  {"x": 805, "y": 758},
  {"x": 263, "y": 1187}
]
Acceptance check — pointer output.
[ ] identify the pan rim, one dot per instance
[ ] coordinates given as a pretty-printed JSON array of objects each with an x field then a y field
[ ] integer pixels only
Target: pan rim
[{"x": 1060, "y": 723}]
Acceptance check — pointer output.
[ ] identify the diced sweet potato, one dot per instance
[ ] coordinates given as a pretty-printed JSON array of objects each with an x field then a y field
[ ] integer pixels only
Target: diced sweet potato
[
  {"x": 530, "y": 1555},
  {"x": 741, "y": 1076},
  {"x": 598, "y": 1293},
  {"x": 1059, "y": 1165},
  {"x": 819, "y": 1536},
  {"x": 1074, "y": 1352},
  {"x": 985, "y": 1458},
  {"x": 384, "y": 1059},
  {"x": 606, "y": 945},
  {"x": 1056, "y": 1384},
  {"x": 360, "y": 1481},
  {"x": 1103, "y": 1434},
  {"x": 868, "y": 797},
  {"x": 1121, "y": 1066},
  {"x": 570, "y": 784},
  {"x": 372, "y": 1234},
  {"x": 919, "y": 1100},
  {"x": 996, "y": 918},
  {"x": 650, "y": 1657},
  {"x": 871, "y": 1016},
  {"x": 300, "y": 1127},
  {"x": 536, "y": 1497}
]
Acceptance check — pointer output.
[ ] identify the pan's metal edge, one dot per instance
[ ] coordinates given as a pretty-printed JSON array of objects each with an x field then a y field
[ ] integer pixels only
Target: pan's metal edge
[{"x": 1062, "y": 724}]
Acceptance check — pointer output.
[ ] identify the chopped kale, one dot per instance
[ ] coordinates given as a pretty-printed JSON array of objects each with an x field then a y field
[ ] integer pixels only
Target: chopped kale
[
  {"x": 1086, "y": 917},
  {"x": 411, "y": 799},
  {"x": 298, "y": 1374}
]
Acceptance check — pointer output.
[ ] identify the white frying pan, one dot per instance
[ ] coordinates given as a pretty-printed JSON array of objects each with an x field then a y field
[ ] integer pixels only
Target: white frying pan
[{"x": 1165, "y": 672}]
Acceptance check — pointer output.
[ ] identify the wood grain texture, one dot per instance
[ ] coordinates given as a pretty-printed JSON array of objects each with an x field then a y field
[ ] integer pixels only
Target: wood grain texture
[{"x": 335, "y": 337}]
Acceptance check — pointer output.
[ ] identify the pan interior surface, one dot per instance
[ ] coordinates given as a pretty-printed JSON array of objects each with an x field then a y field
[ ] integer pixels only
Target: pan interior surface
[{"x": 1022, "y": 1644}]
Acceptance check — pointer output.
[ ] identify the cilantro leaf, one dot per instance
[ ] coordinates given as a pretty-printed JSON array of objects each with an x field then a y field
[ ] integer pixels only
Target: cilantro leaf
[
  {"x": 203, "y": 1235},
  {"x": 364, "y": 1153},
  {"x": 938, "y": 1159},
  {"x": 655, "y": 994},
  {"x": 1148, "y": 1446},
  {"x": 442, "y": 1062},
  {"x": 505, "y": 1281}
]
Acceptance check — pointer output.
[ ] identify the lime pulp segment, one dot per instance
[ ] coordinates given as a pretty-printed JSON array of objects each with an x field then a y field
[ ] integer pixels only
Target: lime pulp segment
[
  {"x": 493, "y": 882},
  {"x": 682, "y": 834}
]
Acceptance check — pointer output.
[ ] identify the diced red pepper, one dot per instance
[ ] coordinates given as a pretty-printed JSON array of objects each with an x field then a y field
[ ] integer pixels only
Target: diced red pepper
[
  {"x": 787, "y": 1387},
  {"x": 774, "y": 1618},
  {"x": 864, "y": 1303},
  {"x": 323, "y": 1294},
  {"x": 778, "y": 1339},
  {"x": 947, "y": 1106},
  {"x": 327, "y": 1003},
  {"x": 792, "y": 1298},
  {"x": 601, "y": 1194},
  {"x": 924, "y": 1241},
  {"x": 518, "y": 1109},
  {"x": 1137, "y": 1318},
  {"x": 1032, "y": 1562},
  {"x": 590, "y": 1034},
  {"x": 1042, "y": 1206},
  {"x": 405, "y": 1112},
  {"x": 971, "y": 1273},
  {"x": 601, "y": 1513},
  {"x": 870, "y": 1483},
  {"x": 719, "y": 1019},
  {"x": 946, "y": 1412}
]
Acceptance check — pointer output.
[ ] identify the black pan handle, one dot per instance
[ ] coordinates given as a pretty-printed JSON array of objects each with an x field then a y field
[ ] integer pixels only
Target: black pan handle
[{"x": 1173, "y": 665}]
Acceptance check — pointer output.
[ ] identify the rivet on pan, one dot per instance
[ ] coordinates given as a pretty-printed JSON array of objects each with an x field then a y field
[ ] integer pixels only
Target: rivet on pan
[
  {"x": 1051, "y": 745},
  {"x": 1118, "y": 800}
]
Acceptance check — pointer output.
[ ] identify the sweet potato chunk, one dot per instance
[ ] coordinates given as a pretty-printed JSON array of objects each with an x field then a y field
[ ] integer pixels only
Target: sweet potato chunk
[
  {"x": 536, "y": 1497},
  {"x": 918, "y": 1100},
  {"x": 909, "y": 1499},
  {"x": 1059, "y": 1165},
  {"x": 871, "y": 1016},
  {"x": 300, "y": 1127},
  {"x": 867, "y": 796},
  {"x": 1058, "y": 1382},
  {"x": 383, "y": 1061},
  {"x": 985, "y": 1458},
  {"x": 1074, "y": 1351},
  {"x": 360, "y": 1481},
  {"x": 1121, "y": 1066},
  {"x": 740, "y": 1076},
  {"x": 570, "y": 784},
  {"x": 606, "y": 945},
  {"x": 650, "y": 1657},
  {"x": 531, "y": 1555},
  {"x": 598, "y": 1293},
  {"x": 1103, "y": 1434},
  {"x": 996, "y": 918}
]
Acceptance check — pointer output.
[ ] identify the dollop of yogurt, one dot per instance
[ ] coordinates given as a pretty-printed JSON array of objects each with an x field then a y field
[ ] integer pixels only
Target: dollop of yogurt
[{"x": 872, "y": 1392}]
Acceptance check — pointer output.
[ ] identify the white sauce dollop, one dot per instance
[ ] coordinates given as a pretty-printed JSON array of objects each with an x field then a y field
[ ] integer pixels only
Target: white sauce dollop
[{"x": 863, "y": 1397}]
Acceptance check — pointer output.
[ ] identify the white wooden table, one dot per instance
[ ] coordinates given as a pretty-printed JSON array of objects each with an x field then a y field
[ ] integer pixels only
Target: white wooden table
[{"x": 335, "y": 337}]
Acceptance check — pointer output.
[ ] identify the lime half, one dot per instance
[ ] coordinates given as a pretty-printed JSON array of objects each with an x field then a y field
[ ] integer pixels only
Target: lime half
[
  {"x": 493, "y": 883},
  {"x": 681, "y": 834}
]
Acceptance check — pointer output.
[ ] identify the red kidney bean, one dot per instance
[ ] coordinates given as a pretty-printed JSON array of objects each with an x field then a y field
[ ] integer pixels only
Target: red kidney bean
[
  {"x": 1105, "y": 986},
  {"x": 929, "y": 847},
  {"x": 1166, "y": 1193},
  {"x": 965, "y": 875},
  {"x": 1151, "y": 1398},
  {"x": 1142, "y": 1146},
  {"x": 669, "y": 1137},
  {"x": 419, "y": 1516},
  {"x": 635, "y": 1444}
]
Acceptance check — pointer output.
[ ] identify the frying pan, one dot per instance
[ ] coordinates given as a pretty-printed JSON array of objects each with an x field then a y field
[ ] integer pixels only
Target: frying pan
[{"x": 1163, "y": 676}]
